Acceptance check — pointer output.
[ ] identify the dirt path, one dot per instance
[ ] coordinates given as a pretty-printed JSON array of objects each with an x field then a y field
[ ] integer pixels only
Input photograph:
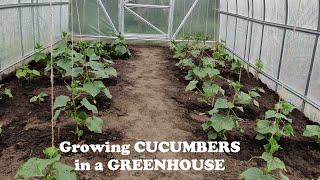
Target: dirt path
[{"x": 150, "y": 114}]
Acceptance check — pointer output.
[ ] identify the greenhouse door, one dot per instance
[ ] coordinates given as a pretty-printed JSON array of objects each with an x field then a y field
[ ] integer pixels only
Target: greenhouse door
[{"x": 145, "y": 19}]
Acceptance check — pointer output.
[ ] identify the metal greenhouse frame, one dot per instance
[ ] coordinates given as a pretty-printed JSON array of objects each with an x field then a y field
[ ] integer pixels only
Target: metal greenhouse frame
[
  {"x": 127, "y": 6},
  {"x": 230, "y": 9}
]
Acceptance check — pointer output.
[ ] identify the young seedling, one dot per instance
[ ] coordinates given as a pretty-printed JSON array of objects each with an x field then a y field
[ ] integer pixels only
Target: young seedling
[
  {"x": 273, "y": 164},
  {"x": 120, "y": 48},
  {"x": 275, "y": 125},
  {"x": 313, "y": 131},
  {"x": 5, "y": 92},
  {"x": 39, "y": 54},
  {"x": 38, "y": 98},
  {"x": 49, "y": 168},
  {"x": 75, "y": 110},
  {"x": 259, "y": 65},
  {"x": 206, "y": 74},
  {"x": 27, "y": 73}
]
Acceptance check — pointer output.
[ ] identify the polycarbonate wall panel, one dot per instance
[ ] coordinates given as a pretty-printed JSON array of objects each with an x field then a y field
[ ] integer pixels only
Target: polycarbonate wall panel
[
  {"x": 231, "y": 28},
  {"x": 284, "y": 35},
  {"x": 25, "y": 25},
  {"x": 276, "y": 11},
  {"x": 10, "y": 37},
  {"x": 303, "y": 13},
  {"x": 89, "y": 18},
  {"x": 241, "y": 37},
  {"x": 255, "y": 42},
  {"x": 204, "y": 18},
  {"x": 223, "y": 26}
]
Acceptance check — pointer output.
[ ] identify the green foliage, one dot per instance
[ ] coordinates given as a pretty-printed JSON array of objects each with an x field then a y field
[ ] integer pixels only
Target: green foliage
[
  {"x": 39, "y": 54},
  {"x": 82, "y": 112},
  {"x": 38, "y": 98},
  {"x": 49, "y": 168},
  {"x": 312, "y": 131},
  {"x": 202, "y": 74},
  {"x": 272, "y": 164},
  {"x": 5, "y": 92},
  {"x": 254, "y": 173},
  {"x": 218, "y": 125},
  {"x": 275, "y": 125},
  {"x": 259, "y": 65},
  {"x": 26, "y": 73},
  {"x": 120, "y": 48}
]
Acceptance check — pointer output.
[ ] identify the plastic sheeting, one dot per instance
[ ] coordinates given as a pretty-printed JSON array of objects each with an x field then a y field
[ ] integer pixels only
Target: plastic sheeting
[
  {"x": 89, "y": 19},
  {"x": 285, "y": 36},
  {"x": 23, "y": 27}
]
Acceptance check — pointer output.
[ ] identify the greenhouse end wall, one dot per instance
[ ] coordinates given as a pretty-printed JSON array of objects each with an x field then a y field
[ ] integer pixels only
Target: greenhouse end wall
[
  {"x": 284, "y": 35},
  {"x": 24, "y": 23},
  {"x": 89, "y": 18}
]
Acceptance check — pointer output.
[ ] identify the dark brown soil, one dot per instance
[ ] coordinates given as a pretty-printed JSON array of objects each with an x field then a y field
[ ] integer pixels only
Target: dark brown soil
[{"x": 149, "y": 104}]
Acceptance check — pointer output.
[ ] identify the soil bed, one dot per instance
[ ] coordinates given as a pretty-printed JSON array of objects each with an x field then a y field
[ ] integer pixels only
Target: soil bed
[{"x": 149, "y": 104}]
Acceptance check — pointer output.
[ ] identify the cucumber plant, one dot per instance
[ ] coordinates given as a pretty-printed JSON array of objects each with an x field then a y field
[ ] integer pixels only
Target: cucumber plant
[
  {"x": 223, "y": 115},
  {"x": 204, "y": 74},
  {"x": 259, "y": 67},
  {"x": 5, "y": 92},
  {"x": 275, "y": 125},
  {"x": 273, "y": 165},
  {"x": 39, "y": 98},
  {"x": 39, "y": 54},
  {"x": 77, "y": 105},
  {"x": 49, "y": 168},
  {"x": 120, "y": 48},
  {"x": 27, "y": 73},
  {"x": 312, "y": 131}
]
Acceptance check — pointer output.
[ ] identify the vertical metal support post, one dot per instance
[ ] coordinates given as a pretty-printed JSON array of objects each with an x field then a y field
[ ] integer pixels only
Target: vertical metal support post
[
  {"x": 121, "y": 16},
  {"x": 282, "y": 45},
  {"x": 235, "y": 30},
  {"x": 60, "y": 19},
  {"x": 38, "y": 24},
  {"x": 227, "y": 22},
  {"x": 312, "y": 61},
  {"x": 20, "y": 29},
  {"x": 214, "y": 19},
  {"x": 33, "y": 28},
  {"x": 251, "y": 29},
  {"x": 246, "y": 43},
  {"x": 262, "y": 33},
  {"x": 170, "y": 19}
]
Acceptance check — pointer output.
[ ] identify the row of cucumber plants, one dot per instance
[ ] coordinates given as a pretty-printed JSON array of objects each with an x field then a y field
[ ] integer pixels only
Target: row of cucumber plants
[
  {"x": 202, "y": 66},
  {"x": 87, "y": 64}
]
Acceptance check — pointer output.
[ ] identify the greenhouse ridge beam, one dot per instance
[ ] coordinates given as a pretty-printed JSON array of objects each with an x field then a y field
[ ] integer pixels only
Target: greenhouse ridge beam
[{"x": 31, "y": 5}]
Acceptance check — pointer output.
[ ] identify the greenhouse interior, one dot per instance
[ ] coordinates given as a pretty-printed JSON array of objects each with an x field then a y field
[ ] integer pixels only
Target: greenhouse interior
[{"x": 160, "y": 89}]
